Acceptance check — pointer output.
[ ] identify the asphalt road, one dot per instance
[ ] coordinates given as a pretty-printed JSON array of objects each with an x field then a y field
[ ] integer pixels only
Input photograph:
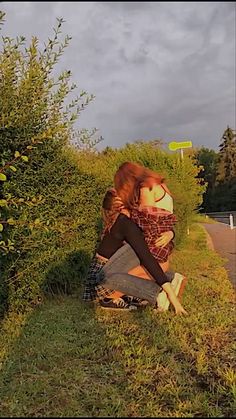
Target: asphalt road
[{"x": 224, "y": 242}]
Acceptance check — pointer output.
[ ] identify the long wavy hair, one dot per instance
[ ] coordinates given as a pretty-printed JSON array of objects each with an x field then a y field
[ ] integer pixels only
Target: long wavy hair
[
  {"x": 130, "y": 178},
  {"x": 111, "y": 208}
]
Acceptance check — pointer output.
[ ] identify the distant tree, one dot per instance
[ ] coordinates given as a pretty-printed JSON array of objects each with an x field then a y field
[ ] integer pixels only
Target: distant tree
[
  {"x": 219, "y": 171},
  {"x": 108, "y": 150},
  {"x": 226, "y": 170},
  {"x": 157, "y": 143},
  {"x": 207, "y": 160}
]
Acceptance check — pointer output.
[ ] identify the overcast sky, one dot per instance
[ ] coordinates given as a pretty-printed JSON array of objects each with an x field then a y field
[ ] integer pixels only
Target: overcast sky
[{"x": 158, "y": 69}]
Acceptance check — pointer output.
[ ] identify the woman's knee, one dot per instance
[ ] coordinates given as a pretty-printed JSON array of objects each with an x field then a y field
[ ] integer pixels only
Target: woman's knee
[
  {"x": 165, "y": 266},
  {"x": 141, "y": 272}
]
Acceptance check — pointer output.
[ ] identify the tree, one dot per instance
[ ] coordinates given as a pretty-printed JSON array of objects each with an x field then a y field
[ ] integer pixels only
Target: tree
[
  {"x": 226, "y": 170},
  {"x": 34, "y": 122},
  {"x": 208, "y": 159},
  {"x": 219, "y": 171}
]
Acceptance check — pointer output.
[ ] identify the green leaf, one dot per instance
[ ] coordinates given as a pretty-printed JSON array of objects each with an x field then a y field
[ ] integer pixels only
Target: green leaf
[
  {"x": 3, "y": 177},
  {"x": 3, "y": 202},
  {"x": 17, "y": 154},
  {"x": 1, "y": 227},
  {"x": 13, "y": 168},
  {"x": 25, "y": 158},
  {"x": 37, "y": 221},
  {"x": 10, "y": 221}
]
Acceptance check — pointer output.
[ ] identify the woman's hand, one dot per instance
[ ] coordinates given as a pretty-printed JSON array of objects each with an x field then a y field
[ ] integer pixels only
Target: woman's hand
[
  {"x": 165, "y": 238},
  {"x": 179, "y": 309},
  {"x": 173, "y": 299},
  {"x": 117, "y": 203}
]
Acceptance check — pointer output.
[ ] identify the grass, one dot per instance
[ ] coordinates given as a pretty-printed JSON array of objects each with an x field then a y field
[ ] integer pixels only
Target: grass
[
  {"x": 71, "y": 359},
  {"x": 202, "y": 218}
]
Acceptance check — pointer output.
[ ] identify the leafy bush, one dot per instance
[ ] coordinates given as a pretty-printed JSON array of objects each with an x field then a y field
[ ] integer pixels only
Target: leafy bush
[{"x": 35, "y": 126}]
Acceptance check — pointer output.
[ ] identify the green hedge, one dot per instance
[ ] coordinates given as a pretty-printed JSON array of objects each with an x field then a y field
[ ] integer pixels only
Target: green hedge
[
  {"x": 37, "y": 116},
  {"x": 54, "y": 258}
]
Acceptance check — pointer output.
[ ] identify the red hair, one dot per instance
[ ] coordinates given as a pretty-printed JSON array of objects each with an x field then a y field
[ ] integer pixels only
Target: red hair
[{"x": 130, "y": 178}]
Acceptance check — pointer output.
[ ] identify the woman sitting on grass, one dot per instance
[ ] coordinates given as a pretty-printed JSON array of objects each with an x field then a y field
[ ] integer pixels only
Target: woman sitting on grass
[
  {"x": 109, "y": 267},
  {"x": 150, "y": 205}
]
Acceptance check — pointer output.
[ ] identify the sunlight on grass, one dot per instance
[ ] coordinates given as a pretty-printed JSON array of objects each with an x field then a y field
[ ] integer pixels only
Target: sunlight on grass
[
  {"x": 203, "y": 218},
  {"x": 74, "y": 359}
]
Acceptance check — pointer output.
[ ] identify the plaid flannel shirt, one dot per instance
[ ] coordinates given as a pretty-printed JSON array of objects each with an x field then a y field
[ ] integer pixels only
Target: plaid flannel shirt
[
  {"x": 93, "y": 288},
  {"x": 153, "y": 222}
]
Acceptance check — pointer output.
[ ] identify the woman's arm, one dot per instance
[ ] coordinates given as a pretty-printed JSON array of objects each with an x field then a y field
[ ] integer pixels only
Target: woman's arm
[
  {"x": 133, "y": 235},
  {"x": 174, "y": 299},
  {"x": 160, "y": 227}
]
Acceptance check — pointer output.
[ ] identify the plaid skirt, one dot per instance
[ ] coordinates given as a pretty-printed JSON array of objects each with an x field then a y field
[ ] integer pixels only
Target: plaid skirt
[{"x": 93, "y": 288}]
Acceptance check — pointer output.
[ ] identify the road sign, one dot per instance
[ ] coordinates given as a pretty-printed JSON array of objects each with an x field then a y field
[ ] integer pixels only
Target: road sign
[{"x": 174, "y": 145}]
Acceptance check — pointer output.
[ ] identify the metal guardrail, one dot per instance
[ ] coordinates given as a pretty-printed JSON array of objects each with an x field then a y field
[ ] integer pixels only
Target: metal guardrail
[{"x": 226, "y": 217}]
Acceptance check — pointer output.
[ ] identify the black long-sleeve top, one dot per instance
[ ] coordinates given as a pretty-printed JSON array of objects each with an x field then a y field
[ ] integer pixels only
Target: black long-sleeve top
[{"x": 124, "y": 229}]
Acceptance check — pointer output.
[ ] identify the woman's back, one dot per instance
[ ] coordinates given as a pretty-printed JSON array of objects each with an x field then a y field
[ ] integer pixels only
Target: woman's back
[{"x": 114, "y": 239}]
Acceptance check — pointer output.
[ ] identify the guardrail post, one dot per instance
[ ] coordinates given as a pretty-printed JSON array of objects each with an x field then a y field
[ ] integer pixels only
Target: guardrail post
[{"x": 231, "y": 221}]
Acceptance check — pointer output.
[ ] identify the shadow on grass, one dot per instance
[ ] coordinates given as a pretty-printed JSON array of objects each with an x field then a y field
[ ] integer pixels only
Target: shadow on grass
[
  {"x": 4, "y": 294},
  {"x": 4, "y": 286},
  {"x": 65, "y": 277},
  {"x": 62, "y": 365}
]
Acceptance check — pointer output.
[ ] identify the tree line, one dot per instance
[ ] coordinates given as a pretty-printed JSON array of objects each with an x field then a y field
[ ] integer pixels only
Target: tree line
[{"x": 218, "y": 171}]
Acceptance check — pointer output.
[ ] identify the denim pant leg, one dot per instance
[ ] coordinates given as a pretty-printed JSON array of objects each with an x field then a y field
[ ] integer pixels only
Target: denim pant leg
[
  {"x": 133, "y": 285},
  {"x": 123, "y": 260},
  {"x": 115, "y": 276}
]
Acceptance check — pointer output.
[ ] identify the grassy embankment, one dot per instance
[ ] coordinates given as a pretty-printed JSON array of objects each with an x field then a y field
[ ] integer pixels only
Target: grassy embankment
[
  {"x": 71, "y": 359},
  {"x": 202, "y": 218}
]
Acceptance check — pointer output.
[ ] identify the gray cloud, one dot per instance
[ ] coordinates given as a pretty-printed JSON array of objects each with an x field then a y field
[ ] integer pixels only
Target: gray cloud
[{"x": 158, "y": 69}]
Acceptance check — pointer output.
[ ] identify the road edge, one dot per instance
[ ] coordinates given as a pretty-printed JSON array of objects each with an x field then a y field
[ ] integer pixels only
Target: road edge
[{"x": 208, "y": 237}]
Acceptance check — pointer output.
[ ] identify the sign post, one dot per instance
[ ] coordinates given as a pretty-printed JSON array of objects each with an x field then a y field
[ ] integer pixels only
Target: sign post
[
  {"x": 174, "y": 145},
  {"x": 231, "y": 221}
]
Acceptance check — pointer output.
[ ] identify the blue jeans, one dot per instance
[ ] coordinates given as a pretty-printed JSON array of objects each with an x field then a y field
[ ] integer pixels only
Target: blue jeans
[{"x": 116, "y": 277}]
